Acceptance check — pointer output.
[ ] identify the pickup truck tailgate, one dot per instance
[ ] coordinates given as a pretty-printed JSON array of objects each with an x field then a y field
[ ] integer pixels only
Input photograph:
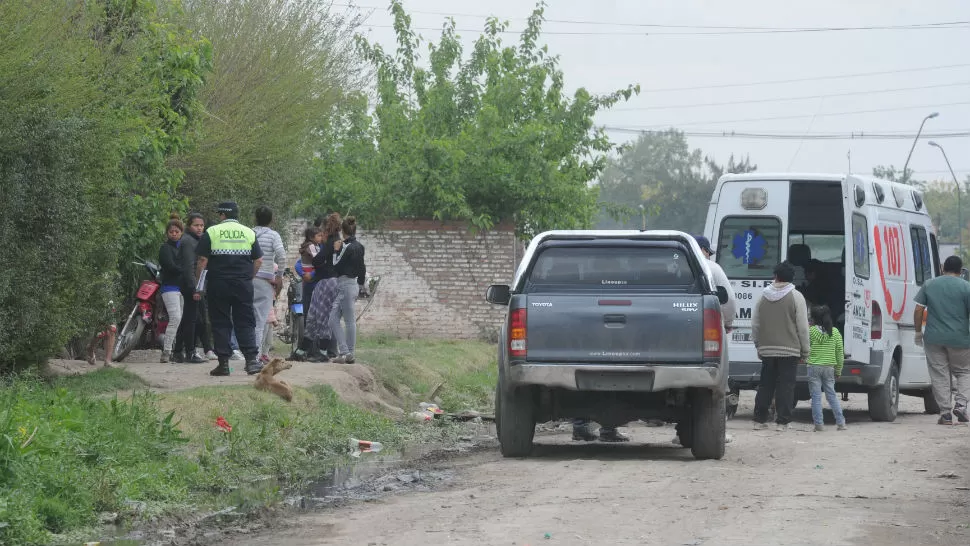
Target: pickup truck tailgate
[{"x": 634, "y": 328}]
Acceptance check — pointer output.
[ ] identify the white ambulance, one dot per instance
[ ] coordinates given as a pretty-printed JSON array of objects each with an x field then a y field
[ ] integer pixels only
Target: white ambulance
[{"x": 867, "y": 245}]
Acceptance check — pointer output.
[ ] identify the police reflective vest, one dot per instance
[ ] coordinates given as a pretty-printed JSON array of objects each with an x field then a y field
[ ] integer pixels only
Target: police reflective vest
[
  {"x": 230, "y": 238},
  {"x": 231, "y": 251}
]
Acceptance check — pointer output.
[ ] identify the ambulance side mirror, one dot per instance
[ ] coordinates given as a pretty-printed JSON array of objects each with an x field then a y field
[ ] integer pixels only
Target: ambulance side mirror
[{"x": 722, "y": 294}]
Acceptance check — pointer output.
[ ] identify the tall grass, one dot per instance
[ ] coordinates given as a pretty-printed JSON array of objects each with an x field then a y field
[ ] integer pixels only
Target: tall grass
[
  {"x": 65, "y": 457},
  {"x": 68, "y": 456}
]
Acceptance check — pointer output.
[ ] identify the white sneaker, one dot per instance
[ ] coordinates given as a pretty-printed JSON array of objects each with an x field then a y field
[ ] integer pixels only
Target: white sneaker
[
  {"x": 783, "y": 428},
  {"x": 728, "y": 438},
  {"x": 237, "y": 356},
  {"x": 760, "y": 426},
  {"x": 211, "y": 355},
  {"x": 200, "y": 354}
]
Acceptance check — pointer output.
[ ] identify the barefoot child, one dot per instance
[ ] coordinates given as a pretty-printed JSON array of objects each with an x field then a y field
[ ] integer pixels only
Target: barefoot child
[{"x": 824, "y": 366}]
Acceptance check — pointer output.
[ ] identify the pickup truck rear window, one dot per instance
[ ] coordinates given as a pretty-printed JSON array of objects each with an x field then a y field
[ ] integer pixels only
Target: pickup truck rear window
[{"x": 611, "y": 267}]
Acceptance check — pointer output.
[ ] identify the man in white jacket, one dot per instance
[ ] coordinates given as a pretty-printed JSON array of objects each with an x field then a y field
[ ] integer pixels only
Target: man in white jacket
[
  {"x": 268, "y": 280},
  {"x": 720, "y": 279},
  {"x": 728, "y": 308}
]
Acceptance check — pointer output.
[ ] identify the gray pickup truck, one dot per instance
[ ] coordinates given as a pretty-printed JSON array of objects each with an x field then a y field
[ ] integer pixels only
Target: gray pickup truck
[{"x": 612, "y": 326}]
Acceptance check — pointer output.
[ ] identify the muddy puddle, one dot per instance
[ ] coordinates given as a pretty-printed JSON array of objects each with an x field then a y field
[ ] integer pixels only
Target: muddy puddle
[{"x": 367, "y": 477}]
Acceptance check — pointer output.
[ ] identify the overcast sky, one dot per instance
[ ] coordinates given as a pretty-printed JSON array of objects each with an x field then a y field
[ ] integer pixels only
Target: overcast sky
[{"x": 603, "y": 57}]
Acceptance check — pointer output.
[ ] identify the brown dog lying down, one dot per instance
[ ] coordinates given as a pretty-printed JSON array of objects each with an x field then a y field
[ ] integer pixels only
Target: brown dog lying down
[{"x": 266, "y": 381}]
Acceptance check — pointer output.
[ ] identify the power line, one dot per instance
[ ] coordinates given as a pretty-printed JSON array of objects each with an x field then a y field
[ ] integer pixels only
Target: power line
[
  {"x": 803, "y": 116},
  {"x": 954, "y": 25},
  {"x": 802, "y": 97},
  {"x": 942, "y": 172},
  {"x": 799, "y": 80},
  {"x": 861, "y": 135},
  {"x": 739, "y": 29}
]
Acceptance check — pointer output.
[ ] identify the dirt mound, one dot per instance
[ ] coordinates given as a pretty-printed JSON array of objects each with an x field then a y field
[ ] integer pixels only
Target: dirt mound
[{"x": 354, "y": 383}]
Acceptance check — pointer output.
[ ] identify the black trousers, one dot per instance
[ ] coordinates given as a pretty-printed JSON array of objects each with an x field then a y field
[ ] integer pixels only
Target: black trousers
[
  {"x": 185, "y": 338},
  {"x": 231, "y": 305},
  {"x": 202, "y": 322},
  {"x": 778, "y": 376}
]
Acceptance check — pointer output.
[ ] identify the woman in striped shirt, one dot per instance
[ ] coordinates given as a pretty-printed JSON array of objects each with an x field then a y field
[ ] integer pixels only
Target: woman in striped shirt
[{"x": 824, "y": 365}]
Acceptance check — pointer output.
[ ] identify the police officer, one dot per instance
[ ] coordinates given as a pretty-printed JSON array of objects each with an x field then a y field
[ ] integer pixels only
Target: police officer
[{"x": 229, "y": 256}]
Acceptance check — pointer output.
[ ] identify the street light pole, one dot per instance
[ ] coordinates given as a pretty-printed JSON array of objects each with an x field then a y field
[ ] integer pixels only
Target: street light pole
[
  {"x": 913, "y": 147},
  {"x": 959, "y": 209}
]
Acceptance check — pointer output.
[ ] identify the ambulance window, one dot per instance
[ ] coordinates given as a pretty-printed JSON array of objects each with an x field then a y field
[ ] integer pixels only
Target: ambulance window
[
  {"x": 860, "y": 246},
  {"x": 935, "y": 248},
  {"x": 922, "y": 262},
  {"x": 749, "y": 247}
]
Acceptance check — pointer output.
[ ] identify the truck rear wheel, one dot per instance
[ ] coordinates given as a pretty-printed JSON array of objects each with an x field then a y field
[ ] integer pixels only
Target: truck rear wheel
[
  {"x": 884, "y": 400},
  {"x": 684, "y": 433},
  {"x": 708, "y": 424},
  {"x": 515, "y": 420}
]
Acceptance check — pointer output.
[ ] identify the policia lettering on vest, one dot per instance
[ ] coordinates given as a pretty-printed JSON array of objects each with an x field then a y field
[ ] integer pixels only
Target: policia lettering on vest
[{"x": 229, "y": 258}]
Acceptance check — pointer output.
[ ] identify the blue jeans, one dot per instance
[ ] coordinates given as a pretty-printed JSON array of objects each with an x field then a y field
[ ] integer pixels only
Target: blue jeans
[
  {"x": 823, "y": 378},
  {"x": 579, "y": 422},
  {"x": 343, "y": 307}
]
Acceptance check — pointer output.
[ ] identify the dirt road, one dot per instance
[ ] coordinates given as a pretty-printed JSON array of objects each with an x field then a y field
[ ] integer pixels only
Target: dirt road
[{"x": 877, "y": 483}]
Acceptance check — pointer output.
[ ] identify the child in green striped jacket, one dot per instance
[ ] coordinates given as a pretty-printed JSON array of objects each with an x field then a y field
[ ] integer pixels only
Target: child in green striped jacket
[{"x": 824, "y": 365}]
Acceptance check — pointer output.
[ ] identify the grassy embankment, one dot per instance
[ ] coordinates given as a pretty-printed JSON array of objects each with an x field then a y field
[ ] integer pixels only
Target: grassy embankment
[{"x": 71, "y": 454}]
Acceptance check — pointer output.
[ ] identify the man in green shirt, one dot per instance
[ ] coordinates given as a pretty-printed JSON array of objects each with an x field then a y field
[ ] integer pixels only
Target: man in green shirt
[{"x": 947, "y": 337}]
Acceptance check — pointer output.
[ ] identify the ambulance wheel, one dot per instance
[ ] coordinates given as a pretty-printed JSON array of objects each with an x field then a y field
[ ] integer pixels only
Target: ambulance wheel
[{"x": 884, "y": 400}]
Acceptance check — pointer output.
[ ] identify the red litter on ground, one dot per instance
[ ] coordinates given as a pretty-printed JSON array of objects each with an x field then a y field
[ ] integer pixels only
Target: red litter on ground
[
  {"x": 223, "y": 424},
  {"x": 363, "y": 446}
]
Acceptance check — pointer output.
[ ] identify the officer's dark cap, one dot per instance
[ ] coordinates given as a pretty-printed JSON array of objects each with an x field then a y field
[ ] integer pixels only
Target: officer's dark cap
[{"x": 229, "y": 208}]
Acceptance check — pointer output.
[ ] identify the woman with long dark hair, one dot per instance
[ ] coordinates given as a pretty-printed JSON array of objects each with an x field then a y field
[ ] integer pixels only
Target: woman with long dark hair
[
  {"x": 348, "y": 266},
  {"x": 170, "y": 261},
  {"x": 192, "y": 321},
  {"x": 318, "y": 317},
  {"x": 824, "y": 366}
]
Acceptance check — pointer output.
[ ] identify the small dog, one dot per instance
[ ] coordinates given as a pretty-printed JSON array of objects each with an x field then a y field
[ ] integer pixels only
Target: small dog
[{"x": 266, "y": 381}]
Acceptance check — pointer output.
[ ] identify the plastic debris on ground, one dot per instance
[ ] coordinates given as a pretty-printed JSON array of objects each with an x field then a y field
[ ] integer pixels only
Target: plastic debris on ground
[{"x": 364, "y": 446}]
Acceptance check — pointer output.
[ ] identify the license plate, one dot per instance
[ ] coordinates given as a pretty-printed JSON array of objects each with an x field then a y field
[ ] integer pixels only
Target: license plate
[
  {"x": 614, "y": 381},
  {"x": 741, "y": 336}
]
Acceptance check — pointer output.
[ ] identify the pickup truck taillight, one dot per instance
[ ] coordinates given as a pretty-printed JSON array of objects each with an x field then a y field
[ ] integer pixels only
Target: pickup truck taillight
[
  {"x": 517, "y": 319},
  {"x": 712, "y": 333},
  {"x": 876, "y": 331}
]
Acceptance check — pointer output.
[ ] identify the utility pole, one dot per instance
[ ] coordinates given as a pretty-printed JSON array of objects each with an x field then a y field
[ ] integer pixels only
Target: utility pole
[
  {"x": 905, "y": 165},
  {"x": 959, "y": 208}
]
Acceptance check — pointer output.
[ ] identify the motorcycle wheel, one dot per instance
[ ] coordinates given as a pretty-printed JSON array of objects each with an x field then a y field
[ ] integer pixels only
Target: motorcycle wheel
[
  {"x": 129, "y": 336},
  {"x": 296, "y": 331},
  {"x": 286, "y": 331}
]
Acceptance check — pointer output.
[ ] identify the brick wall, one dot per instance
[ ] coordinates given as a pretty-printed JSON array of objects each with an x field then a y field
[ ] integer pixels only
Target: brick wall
[{"x": 433, "y": 277}]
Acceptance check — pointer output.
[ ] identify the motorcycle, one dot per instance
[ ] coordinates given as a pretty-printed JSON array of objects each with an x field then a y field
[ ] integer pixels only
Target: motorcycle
[
  {"x": 292, "y": 328},
  {"x": 368, "y": 294},
  {"x": 147, "y": 321}
]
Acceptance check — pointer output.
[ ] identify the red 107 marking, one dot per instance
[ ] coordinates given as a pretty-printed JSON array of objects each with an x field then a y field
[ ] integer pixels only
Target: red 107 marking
[{"x": 891, "y": 240}]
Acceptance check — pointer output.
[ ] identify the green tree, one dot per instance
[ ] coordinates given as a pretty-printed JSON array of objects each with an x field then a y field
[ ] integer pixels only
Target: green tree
[
  {"x": 95, "y": 96},
  {"x": 890, "y": 173},
  {"x": 155, "y": 70},
  {"x": 485, "y": 138},
  {"x": 280, "y": 68},
  {"x": 659, "y": 181}
]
